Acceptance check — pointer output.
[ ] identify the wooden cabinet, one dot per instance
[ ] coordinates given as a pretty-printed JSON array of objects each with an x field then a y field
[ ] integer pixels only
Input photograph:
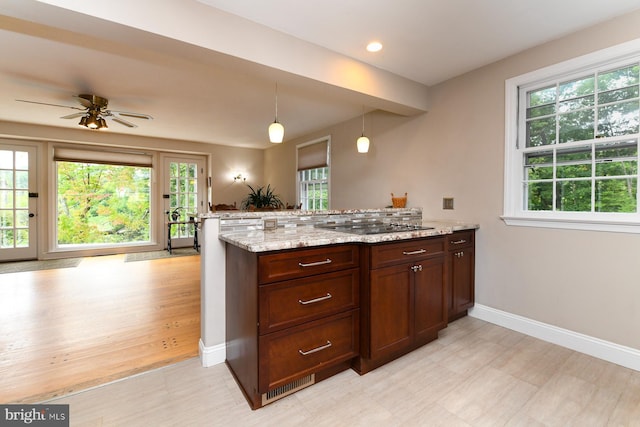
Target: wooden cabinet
[
  {"x": 403, "y": 299},
  {"x": 460, "y": 248},
  {"x": 292, "y": 317}
]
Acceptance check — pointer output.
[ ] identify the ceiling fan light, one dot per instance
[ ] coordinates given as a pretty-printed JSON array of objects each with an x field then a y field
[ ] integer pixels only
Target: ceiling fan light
[
  {"x": 83, "y": 121},
  {"x": 102, "y": 124},
  {"x": 92, "y": 122},
  {"x": 363, "y": 144},
  {"x": 276, "y": 132}
]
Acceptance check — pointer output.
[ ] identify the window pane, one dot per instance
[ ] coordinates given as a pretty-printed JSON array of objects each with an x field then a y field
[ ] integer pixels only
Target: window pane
[
  {"x": 618, "y": 119},
  {"x": 6, "y": 239},
  {"x": 539, "y": 165},
  {"x": 102, "y": 204},
  {"x": 616, "y": 195},
  {"x": 575, "y": 103},
  {"x": 22, "y": 218},
  {"x": 540, "y": 196},
  {"x": 543, "y": 110},
  {"x": 6, "y": 179},
  {"x": 574, "y": 196},
  {"x": 541, "y": 132},
  {"x": 576, "y": 126},
  {"x": 573, "y": 163},
  {"x": 22, "y": 160},
  {"x": 6, "y": 159},
  {"x": 22, "y": 199},
  {"x": 6, "y": 218},
  {"x": 616, "y": 79},
  {"x": 6, "y": 199},
  {"x": 576, "y": 88},
  {"x": 542, "y": 96},
  {"x": 22, "y": 238},
  {"x": 22, "y": 180},
  {"x": 618, "y": 95}
]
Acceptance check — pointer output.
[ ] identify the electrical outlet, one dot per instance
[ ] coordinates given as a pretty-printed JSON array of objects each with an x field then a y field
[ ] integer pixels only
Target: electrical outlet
[{"x": 447, "y": 203}]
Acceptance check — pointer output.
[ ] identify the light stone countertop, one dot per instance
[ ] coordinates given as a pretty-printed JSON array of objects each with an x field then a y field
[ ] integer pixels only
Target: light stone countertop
[{"x": 309, "y": 236}]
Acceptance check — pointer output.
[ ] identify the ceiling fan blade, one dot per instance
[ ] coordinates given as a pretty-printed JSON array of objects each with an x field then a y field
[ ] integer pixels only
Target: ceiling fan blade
[
  {"x": 133, "y": 115},
  {"x": 73, "y": 116},
  {"x": 51, "y": 105},
  {"x": 123, "y": 122}
]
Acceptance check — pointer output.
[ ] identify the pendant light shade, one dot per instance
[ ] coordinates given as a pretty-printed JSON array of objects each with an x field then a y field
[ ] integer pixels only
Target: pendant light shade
[
  {"x": 276, "y": 130},
  {"x": 363, "y": 142}
]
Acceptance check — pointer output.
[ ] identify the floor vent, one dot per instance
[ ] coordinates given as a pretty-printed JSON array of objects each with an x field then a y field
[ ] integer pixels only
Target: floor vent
[{"x": 287, "y": 389}]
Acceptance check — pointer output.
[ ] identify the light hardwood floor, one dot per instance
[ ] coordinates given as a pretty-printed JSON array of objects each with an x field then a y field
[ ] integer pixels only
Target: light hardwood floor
[
  {"x": 69, "y": 329},
  {"x": 475, "y": 374}
]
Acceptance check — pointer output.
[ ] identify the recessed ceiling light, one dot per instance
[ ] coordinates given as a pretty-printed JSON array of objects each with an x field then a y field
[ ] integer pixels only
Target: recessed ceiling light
[{"x": 374, "y": 47}]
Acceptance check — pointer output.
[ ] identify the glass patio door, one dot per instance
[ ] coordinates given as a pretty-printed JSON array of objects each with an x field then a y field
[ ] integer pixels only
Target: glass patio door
[
  {"x": 18, "y": 202},
  {"x": 184, "y": 189}
]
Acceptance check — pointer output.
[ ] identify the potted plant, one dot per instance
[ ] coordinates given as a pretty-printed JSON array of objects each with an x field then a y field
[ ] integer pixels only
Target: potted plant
[{"x": 262, "y": 199}]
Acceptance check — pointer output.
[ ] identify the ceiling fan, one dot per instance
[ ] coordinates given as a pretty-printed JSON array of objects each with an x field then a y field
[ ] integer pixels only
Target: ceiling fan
[{"x": 94, "y": 110}]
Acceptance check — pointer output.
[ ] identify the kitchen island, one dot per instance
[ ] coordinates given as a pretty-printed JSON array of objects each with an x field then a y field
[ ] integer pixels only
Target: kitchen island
[{"x": 305, "y": 302}]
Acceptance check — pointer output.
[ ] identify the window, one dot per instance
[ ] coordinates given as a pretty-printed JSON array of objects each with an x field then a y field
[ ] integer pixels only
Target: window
[
  {"x": 313, "y": 175},
  {"x": 103, "y": 198},
  {"x": 572, "y": 144}
]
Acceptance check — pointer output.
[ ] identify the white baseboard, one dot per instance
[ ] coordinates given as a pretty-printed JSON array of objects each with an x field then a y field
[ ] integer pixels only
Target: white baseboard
[
  {"x": 611, "y": 352},
  {"x": 213, "y": 355}
]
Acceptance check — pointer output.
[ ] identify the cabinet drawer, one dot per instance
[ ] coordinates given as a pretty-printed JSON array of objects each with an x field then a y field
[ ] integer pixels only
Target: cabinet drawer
[
  {"x": 393, "y": 253},
  {"x": 292, "y": 302},
  {"x": 291, "y": 354},
  {"x": 306, "y": 262},
  {"x": 459, "y": 239}
]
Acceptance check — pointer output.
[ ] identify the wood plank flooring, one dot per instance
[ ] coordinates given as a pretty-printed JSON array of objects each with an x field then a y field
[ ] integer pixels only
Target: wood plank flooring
[
  {"x": 475, "y": 374},
  {"x": 69, "y": 329}
]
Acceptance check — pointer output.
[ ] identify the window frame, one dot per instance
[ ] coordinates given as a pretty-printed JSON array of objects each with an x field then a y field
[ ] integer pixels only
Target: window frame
[
  {"x": 98, "y": 155},
  {"x": 299, "y": 183},
  {"x": 513, "y": 209}
]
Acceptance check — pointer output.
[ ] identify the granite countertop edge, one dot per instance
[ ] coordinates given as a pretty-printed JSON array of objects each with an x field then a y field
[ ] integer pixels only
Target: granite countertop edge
[{"x": 309, "y": 236}]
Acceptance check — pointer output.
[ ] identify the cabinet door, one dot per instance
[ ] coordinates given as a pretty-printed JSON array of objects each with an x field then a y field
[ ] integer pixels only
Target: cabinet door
[
  {"x": 390, "y": 310},
  {"x": 430, "y": 299},
  {"x": 462, "y": 279}
]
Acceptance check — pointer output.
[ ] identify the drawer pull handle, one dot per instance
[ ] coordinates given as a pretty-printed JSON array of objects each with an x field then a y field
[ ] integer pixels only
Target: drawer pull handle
[
  {"x": 419, "y": 251},
  {"x": 458, "y": 242},
  {"x": 315, "y": 350},
  {"x": 313, "y": 264},
  {"x": 311, "y": 301}
]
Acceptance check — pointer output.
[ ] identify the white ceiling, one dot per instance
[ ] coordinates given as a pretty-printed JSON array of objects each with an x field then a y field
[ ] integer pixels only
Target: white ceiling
[{"x": 208, "y": 75}]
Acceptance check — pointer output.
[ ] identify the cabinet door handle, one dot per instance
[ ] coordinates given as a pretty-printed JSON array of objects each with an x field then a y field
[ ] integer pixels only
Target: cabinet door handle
[
  {"x": 419, "y": 251},
  {"x": 315, "y": 350},
  {"x": 416, "y": 268},
  {"x": 311, "y": 301},
  {"x": 458, "y": 242},
  {"x": 313, "y": 264}
]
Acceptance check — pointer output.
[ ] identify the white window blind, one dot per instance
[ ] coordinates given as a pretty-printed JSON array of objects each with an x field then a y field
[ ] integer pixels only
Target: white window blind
[
  {"x": 124, "y": 158},
  {"x": 313, "y": 156}
]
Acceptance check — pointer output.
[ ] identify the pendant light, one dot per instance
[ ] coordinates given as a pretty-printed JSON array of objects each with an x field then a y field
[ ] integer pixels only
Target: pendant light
[
  {"x": 276, "y": 130},
  {"x": 363, "y": 141}
]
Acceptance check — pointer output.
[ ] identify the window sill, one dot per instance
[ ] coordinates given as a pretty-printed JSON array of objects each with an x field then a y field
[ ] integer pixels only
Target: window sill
[{"x": 574, "y": 224}]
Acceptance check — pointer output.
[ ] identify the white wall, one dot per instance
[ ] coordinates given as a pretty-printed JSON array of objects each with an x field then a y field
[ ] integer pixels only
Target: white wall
[{"x": 587, "y": 282}]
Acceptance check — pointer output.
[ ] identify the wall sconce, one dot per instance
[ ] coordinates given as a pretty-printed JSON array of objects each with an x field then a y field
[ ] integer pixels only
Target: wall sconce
[{"x": 239, "y": 177}]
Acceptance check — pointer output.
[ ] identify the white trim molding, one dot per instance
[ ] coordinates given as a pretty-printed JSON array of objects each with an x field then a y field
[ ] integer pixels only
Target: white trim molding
[
  {"x": 214, "y": 355},
  {"x": 605, "y": 350}
]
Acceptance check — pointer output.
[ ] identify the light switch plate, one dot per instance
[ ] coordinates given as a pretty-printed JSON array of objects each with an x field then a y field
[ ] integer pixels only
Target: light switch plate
[{"x": 447, "y": 203}]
